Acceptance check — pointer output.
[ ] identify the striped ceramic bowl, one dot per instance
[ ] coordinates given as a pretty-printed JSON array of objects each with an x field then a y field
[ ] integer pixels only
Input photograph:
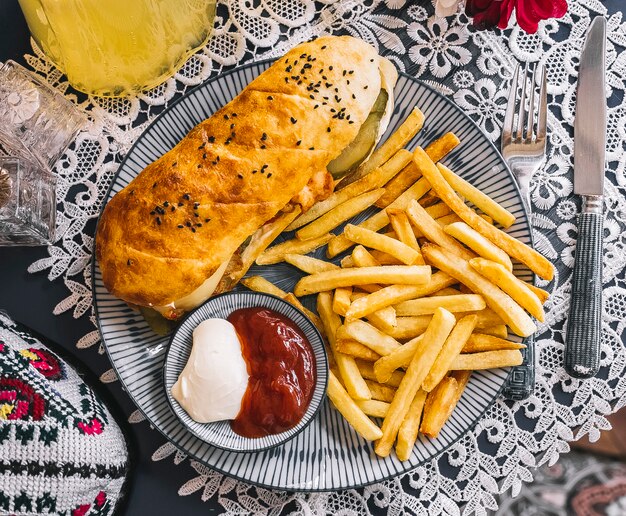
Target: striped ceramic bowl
[{"x": 220, "y": 434}]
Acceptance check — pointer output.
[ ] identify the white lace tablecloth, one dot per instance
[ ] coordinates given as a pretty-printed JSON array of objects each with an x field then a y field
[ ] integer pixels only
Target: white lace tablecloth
[{"x": 473, "y": 69}]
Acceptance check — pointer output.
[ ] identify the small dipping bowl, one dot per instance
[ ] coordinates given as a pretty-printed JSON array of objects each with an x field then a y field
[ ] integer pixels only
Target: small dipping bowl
[{"x": 219, "y": 433}]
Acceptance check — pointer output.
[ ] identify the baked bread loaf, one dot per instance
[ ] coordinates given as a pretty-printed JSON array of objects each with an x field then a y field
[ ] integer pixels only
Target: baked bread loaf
[{"x": 181, "y": 219}]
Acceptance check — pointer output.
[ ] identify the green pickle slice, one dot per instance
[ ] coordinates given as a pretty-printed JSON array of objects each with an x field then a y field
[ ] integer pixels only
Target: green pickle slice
[{"x": 359, "y": 149}]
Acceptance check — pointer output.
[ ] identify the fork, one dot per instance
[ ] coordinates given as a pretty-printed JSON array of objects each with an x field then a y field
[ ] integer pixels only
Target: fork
[{"x": 524, "y": 150}]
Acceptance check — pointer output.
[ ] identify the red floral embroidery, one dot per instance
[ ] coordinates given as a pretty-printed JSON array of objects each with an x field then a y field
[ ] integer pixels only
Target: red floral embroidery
[
  {"x": 94, "y": 427},
  {"x": 101, "y": 498},
  {"x": 1, "y": 347},
  {"x": 46, "y": 363},
  {"x": 81, "y": 510},
  {"x": 489, "y": 13},
  {"x": 27, "y": 402}
]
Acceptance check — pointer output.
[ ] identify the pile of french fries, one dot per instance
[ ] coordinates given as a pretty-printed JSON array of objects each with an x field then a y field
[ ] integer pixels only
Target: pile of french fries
[{"x": 424, "y": 296}]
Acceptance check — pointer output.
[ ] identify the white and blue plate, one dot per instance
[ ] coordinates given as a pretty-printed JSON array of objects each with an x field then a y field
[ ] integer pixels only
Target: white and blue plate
[
  {"x": 328, "y": 454},
  {"x": 219, "y": 433}
]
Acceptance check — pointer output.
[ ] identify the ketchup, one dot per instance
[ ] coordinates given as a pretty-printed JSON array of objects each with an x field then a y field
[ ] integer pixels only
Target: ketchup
[{"x": 281, "y": 365}]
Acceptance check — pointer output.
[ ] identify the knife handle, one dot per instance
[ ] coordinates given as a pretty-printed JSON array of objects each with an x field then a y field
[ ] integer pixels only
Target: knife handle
[
  {"x": 521, "y": 382},
  {"x": 582, "y": 342}
]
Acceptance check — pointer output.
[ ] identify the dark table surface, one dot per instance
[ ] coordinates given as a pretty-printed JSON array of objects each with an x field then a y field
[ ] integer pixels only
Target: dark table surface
[{"x": 30, "y": 299}]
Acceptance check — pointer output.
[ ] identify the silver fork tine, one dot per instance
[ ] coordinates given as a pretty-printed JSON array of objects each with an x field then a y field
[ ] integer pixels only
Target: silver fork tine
[
  {"x": 507, "y": 126},
  {"x": 521, "y": 115},
  {"x": 531, "y": 107},
  {"x": 543, "y": 108}
]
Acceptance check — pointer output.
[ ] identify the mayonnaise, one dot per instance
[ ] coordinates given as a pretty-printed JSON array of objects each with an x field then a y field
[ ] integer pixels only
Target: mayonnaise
[{"x": 215, "y": 378}]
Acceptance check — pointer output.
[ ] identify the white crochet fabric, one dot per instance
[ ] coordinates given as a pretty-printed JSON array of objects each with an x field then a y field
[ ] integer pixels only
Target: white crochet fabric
[{"x": 473, "y": 69}]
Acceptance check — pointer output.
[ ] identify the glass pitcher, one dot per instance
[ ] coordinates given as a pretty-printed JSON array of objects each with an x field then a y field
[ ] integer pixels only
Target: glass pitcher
[{"x": 119, "y": 46}]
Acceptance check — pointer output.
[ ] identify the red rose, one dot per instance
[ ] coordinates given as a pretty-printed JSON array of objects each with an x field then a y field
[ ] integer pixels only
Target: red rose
[{"x": 489, "y": 13}]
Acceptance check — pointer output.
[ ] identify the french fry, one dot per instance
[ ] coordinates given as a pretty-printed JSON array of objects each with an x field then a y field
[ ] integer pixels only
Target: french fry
[
  {"x": 309, "y": 264},
  {"x": 260, "y": 284},
  {"x": 436, "y": 211},
  {"x": 347, "y": 262},
  {"x": 384, "y": 258},
  {"x": 402, "y": 135},
  {"x": 520, "y": 293},
  {"x": 479, "y": 342},
  {"x": 498, "y": 330},
  {"x": 346, "y": 365},
  {"x": 400, "y": 223},
  {"x": 399, "y": 184},
  {"x": 448, "y": 291},
  {"x": 374, "y": 240},
  {"x": 373, "y": 408},
  {"x": 378, "y": 221},
  {"x": 513, "y": 247},
  {"x": 430, "y": 199},
  {"x": 339, "y": 215},
  {"x": 380, "y": 391},
  {"x": 411, "y": 326},
  {"x": 455, "y": 342},
  {"x": 372, "y": 181},
  {"x": 395, "y": 294},
  {"x": 478, "y": 198},
  {"x": 341, "y": 300},
  {"x": 348, "y": 408},
  {"x": 454, "y": 303},
  {"x": 290, "y": 298},
  {"x": 384, "y": 319},
  {"x": 385, "y": 366},
  {"x": 276, "y": 254},
  {"x": 367, "y": 371},
  {"x": 488, "y": 318},
  {"x": 510, "y": 312},
  {"x": 433, "y": 232},
  {"x": 389, "y": 274},
  {"x": 487, "y": 360},
  {"x": 356, "y": 350},
  {"x": 442, "y": 146},
  {"x": 407, "y": 433},
  {"x": 371, "y": 337},
  {"x": 425, "y": 355},
  {"x": 259, "y": 242},
  {"x": 439, "y": 405},
  {"x": 539, "y": 292},
  {"x": 478, "y": 243}
]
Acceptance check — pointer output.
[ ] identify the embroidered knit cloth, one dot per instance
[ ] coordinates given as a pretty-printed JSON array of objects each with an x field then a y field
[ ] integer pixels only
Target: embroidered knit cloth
[{"x": 61, "y": 452}]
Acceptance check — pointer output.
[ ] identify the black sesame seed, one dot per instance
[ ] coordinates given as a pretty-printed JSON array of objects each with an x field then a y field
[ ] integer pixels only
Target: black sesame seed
[
  {"x": 180, "y": 204},
  {"x": 311, "y": 148},
  {"x": 328, "y": 85},
  {"x": 328, "y": 129},
  {"x": 213, "y": 162},
  {"x": 234, "y": 115},
  {"x": 173, "y": 208},
  {"x": 371, "y": 60},
  {"x": 202, "y": 146},
  {"x": 211, "y": 139},
  {"x": 227, "y": 142},
  {"x": 197, "y": 215},
  {"x": 128, "y": 262},
  {"x": 269, "y": 175},
  {"x": 188, "y": 224},
  {"x": 330, "y": 67},
  {"x": 199, "y": 165},
  {"x": 180, "y": 226},
  {"x": 264, "y": 136},
  {"x": 186, "y": 197},
  {"x": 344, "y": 73},
  {"x": 288, "y": 69},
  {"x": 199, "y": 224},
  {"x": 353, "y": 96},
  {"x": 264, "y": 167},
  {"x": 232, "y": 126},
  {"x": 347, "y": 82},
  {"x": 175, "y": 163},
  {"x": 154, "y": 185},
  {"x": 316, "y": 106},
  {"x": 351, "y": 122},
  {"x": 298, "y": 142},
  {"x": 196, "y": 205},
  {"x": 239, "y": 176},
  {"x": 312, "y": 97},
  {"x": 254, "y": 171},
  {"x": 263, "y": 146},
  {"x": 337, "y": 98},
  {"x": 293, "y": 120},
  {"x": 158, "y": 221},
  {"x": 365, "y": 87},
  {"x": 323, "y": 47},
  {"x": 193, "y": 230},
  {"x": 225, "y": 117},
  {"x": 206, "y": 220},
  {"x": 153, "y": 212},
  {"x": 204, "y": 156},
  {"x": 302, "y": 56},
  {"x": 286, "y": 79},
  {"x": 351, "y": 72},
  {"x": 333, "y": 110},
  {"x": 166, "y": 204},
  {"x": 336, "y": 90}
]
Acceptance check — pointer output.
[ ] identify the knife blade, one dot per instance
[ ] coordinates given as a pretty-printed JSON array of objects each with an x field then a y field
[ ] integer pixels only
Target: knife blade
[{"x": 582, "y": 342}]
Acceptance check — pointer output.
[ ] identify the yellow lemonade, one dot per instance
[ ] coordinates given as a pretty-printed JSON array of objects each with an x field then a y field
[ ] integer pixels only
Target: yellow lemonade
[{"x": 114, "y": 47}]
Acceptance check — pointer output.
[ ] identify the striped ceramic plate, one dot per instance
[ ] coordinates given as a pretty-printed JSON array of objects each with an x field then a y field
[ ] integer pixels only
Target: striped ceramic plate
[
  {"x": 328, "y": 454},
  {"x": 219, "y": 433}
]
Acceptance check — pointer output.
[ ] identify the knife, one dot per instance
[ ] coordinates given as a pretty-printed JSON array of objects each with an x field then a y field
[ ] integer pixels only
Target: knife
[{"x": 582, "y": 341}]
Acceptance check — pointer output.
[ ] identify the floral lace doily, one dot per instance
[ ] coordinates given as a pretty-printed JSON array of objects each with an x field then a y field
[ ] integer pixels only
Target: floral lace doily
[{"x": 473, "y": 69}]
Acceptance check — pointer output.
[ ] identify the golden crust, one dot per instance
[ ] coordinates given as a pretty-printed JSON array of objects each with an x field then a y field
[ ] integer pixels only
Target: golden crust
[{"x": 235, "y": 171}]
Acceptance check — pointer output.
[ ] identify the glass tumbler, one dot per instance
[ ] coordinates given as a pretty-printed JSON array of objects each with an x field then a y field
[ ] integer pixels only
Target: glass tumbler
[{"x": 119, "y": 46}]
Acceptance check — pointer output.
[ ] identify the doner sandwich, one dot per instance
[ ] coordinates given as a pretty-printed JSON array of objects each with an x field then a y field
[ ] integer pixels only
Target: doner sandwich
[{"x": 170, "y": 239}]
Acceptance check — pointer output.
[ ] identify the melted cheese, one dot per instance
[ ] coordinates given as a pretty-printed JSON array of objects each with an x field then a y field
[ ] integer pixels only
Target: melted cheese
[{"x": 388, "y": 79}]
